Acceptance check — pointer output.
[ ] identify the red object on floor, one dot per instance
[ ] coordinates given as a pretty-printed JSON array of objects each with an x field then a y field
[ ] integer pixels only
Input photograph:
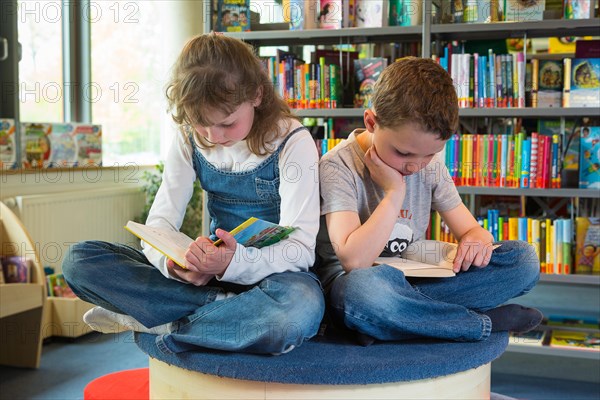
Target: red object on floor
[{"x": 132, "y": 384}]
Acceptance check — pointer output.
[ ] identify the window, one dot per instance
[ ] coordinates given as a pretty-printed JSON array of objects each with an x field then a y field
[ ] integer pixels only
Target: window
[
  {"x": 40, "y": 69},
  {"x": 127, "y": 79}
]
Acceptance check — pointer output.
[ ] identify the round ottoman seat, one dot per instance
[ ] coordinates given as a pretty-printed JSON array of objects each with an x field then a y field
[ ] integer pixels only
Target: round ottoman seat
[{"x": 328, "y": 368}]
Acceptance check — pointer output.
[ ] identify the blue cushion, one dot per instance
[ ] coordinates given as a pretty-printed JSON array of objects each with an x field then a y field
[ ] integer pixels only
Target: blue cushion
[{"x": 326, "y": 361}]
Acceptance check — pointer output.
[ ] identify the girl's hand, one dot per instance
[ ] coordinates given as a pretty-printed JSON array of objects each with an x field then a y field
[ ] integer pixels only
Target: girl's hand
[
  {"x": 385, "y": 176},
  {"x": 195, "y": 278},
  {"x": 475, "y": 248},
  {"x": 206, "y": 258}
]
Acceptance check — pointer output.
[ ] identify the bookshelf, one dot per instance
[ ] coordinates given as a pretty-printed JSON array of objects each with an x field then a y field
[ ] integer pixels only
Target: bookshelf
[
  {"x": 21, "y": 304},
  {"x": 576, "y": 292}
]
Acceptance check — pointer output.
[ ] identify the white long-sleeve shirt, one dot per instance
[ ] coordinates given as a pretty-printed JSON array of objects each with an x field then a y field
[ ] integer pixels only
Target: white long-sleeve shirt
[{"x": 298, "y": 188}]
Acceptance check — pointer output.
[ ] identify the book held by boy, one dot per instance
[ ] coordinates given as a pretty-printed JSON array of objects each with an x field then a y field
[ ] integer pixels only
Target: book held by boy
[
  {"x": 253, "y": 232},
  {"x": 425, "y": 259}
]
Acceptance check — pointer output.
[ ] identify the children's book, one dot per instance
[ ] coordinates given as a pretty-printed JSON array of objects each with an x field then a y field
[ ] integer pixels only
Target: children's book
[
  {"x": 35, "y": 145},
  {"x": 550, "y": 83},
  {"x": 8, "y": 145},
  {"x": 371, "y": 13},
  {"x": 587, "y": 249},
  {"x": 523, "y": 11},
  {"x": 575, "y": 333},
  {"x": 585, "y": 82},
  {"x": 88, "y": 142},
  {"x": 424, "y": 258},
  {"x": 233, "y": 15},
  {"x": 531, "y": 338},
  {"x": 15, "y": 269},
  {"x": 589, "y": 158},
  {"x": 63, "y": 149},
  {"x": 367, "y": 71},
  {"x": 253, "y": 232}
]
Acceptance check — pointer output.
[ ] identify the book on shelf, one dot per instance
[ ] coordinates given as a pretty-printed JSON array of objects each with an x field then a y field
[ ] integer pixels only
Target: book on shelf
[
  {"x": 589, "y": 157},
  {"x": 579, "y": 9},
  {"x": 15, "y": 269},
  {"x": 253, "y": 232},
  {"x": 532, "y": 338},
  {"x": 330, "y": 15},
  {"x": 8, "y": 144},
  {"x": 58, "y": 287},
  {"x": 587, "y": 248},
  {"x": 550, "y": 83},
  {"x": 367, "y": 71},
  {"x": 233, "y": 15},
  {"x": 524, "y": 11},
  {"x": 584, "y": 86},
  {"x": 574, "y": 333},
  {"x": 371, "y": 13}
]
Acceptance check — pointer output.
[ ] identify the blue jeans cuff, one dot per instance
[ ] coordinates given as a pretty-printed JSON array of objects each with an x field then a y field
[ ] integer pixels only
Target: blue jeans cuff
[{"x": 486, "y": 326}]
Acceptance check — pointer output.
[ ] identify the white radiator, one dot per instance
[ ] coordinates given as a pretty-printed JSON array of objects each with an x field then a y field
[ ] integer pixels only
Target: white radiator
[{"x": 55, "y": 221}]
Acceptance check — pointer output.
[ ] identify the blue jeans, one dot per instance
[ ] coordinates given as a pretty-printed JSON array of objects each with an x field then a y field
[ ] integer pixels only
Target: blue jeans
[
  {"x": 269, "y": 317},
  {"x": 382, "y": 303}
]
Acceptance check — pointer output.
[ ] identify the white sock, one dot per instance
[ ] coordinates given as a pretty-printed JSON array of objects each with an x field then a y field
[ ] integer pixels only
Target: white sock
[
  {"x": 106, "y": 321},
  {"x": 223, "y": 296}
]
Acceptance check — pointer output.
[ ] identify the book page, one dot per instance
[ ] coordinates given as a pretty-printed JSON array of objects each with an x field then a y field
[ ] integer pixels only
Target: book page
[
  {"x": 415, "y": 268},
  {"x": 434, "y": 252},
  {"x": 172, "y": 244}
]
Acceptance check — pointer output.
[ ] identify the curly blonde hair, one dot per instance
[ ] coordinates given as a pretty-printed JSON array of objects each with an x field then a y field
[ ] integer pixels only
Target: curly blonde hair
[{"x": 219, "y": 73}]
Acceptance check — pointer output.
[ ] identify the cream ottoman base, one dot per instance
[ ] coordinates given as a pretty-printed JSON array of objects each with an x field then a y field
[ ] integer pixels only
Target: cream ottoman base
[{"x": 171, "y": 382}]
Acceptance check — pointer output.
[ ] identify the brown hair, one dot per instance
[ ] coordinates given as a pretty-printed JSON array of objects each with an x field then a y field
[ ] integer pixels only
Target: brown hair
[
  {"x": 218, "y": 73},
  {"x": 418, "y": 91}
]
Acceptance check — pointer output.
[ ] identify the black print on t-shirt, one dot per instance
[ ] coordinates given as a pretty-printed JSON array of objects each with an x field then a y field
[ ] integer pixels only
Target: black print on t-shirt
[{"x": 399, "y": 240}]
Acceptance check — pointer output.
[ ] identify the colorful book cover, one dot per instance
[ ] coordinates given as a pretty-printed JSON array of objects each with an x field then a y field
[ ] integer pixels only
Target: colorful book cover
[
  {"x": 8, "y": 145},
  {"x": 585, "y": 82},
  {"x": 233, "y": 15},
  {"x": 366, "y": 70},
  {"x": 550, "y": 83},
  {"x": 371, "y": 13},
  {"x": 578, "y": 9},
  {"x": 405, "y": 13},
  {"x": 88, "y": 139},
  {"x": 15, "y": 269},
  {"x": 524, "y": 11},
  {"x": 588, "y": 341},
  {"x": 330, "y": 16},
  {"x": 63, "y": 149},
  {"x": 589, "y": 158},
  {"x": 587, "y": 245},
  {"x": 35, "y": 145}
]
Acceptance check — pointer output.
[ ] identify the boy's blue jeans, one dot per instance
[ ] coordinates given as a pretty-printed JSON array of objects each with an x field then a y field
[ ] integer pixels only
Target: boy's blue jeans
[
  {"x": 382, "y": 303},
  {"x": 269, "y": 317}
]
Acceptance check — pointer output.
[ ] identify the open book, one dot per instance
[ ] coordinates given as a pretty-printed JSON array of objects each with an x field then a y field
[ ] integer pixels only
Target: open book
[
  {"x": 425, "y": 258},
  {"x": 253, "y": 232}
]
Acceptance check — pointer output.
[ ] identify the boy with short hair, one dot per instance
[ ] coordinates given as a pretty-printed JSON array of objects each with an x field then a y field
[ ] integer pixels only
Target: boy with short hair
[{"x": 377, "y": 190}]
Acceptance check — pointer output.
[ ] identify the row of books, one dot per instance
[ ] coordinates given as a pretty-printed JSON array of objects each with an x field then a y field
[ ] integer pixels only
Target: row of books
[
  {"x": 502, "y": 80},
  {"x": 562, "y": 332},
  {"x": 305, "y": 85},
  {"x": 49, "y": 145},
  {"x": 14, "y": 269},
  {"x": 518, "y": 161},
  {"x": 563, "y": 246}
]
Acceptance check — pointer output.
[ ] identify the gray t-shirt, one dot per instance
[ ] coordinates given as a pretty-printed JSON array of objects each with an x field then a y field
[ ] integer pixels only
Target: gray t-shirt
[{"x": 346, "y": 185}]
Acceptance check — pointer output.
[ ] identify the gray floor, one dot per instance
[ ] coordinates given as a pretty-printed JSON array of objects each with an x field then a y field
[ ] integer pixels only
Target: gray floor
[{"x": 68, "y": 365}]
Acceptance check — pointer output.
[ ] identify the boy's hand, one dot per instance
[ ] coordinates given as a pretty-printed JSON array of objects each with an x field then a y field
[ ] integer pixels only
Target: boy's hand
[
  {"x": 385, "y": 176},
  {"x": 195, "y": 278},
  {"x": 206, "y": 258},
  {"x": 475, "y": 248}
]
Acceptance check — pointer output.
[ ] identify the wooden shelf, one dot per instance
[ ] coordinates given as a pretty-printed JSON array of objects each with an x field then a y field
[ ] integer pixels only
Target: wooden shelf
[{"x": 20, "y": 297}]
